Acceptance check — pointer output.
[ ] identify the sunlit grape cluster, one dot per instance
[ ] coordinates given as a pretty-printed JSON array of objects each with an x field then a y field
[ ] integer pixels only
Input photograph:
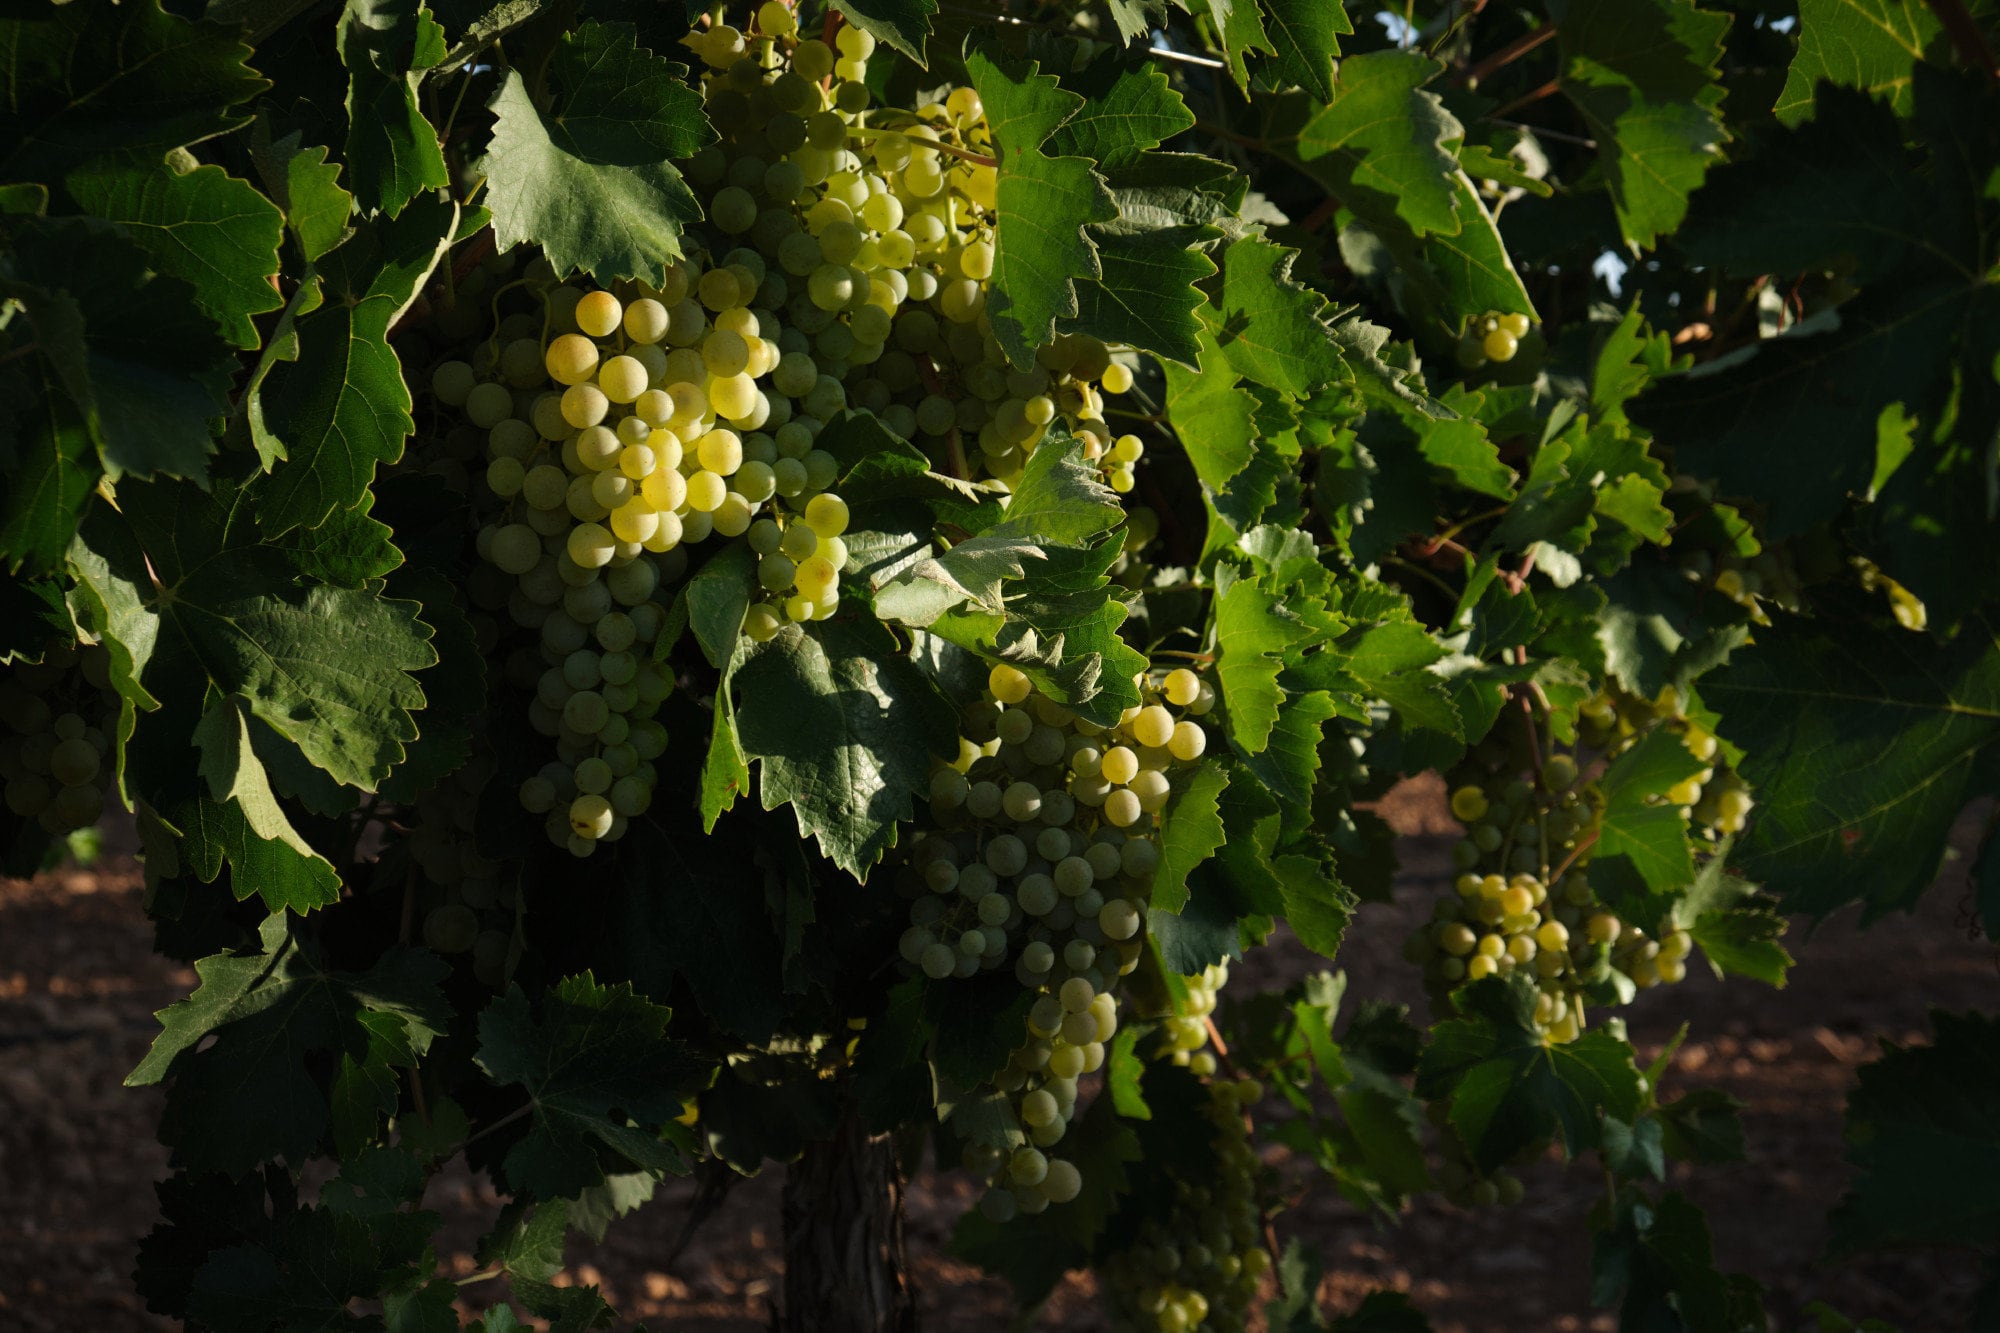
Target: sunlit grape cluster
[
  {"x": 843, "y": 264},
  {"x": 1186, "y": 1029},
  {"x": 1522, "y": 899},
  {"x": 1493, "y": 338},
  {"x": 55, "y": 753},
  {"x": 1042, "y": 854},
  {"x": 877, "y": 225},
  {"x": 1196, "y": 1267}
]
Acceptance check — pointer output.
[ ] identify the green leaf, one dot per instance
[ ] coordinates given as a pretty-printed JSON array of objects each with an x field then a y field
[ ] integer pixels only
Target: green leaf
[
  {"x": 844, "y": 728},
  {"x": 276, "y": 870},
  {"x": 392, "y": 150},
  {"x": 78, "y": 80},
  {"x": 302, "y": 182},
  {"x": 235, "y": 776},
  {"x": 1923, "y": 1133},
  {"x": 332, "y": 402},
  {"x": 1510, "y": 1088},
  {"x": 591, "y": 181},
  {"x": 270, "y": 1010},
  {"x": 903, "y": 24},
  {"x": 1305, "y": 37},
  {"x": 1275, "y": 331},
  {"x": 1385, "y": 147},
  {"x": 1862, "y": 745},
  {"x": 1832, "y": 193},
  {"x": 131, "y": 350},
  {"x": 717, "y": 597},
  {"x": 53, "y": 470},
  {"x": 1873, "y": 45},
  {"x": 1240, "y": 31},
  {"x": 1254, "y": 635},
  {"x": 205, "y": 227},
  {"x": 1642, "y": 855},
  {"x": 1644, "y": 74},
  {"x": 1044, "y": 203},
  {"x": 184, "y": 587},
  {"x": 1657, "y": 1264},
  {"x": 1703, "y": 1126},
  {"x": 1190, "y": 833},
  {"x": 1145, "y": 294},
  {"x": 601, "y": 1075}
]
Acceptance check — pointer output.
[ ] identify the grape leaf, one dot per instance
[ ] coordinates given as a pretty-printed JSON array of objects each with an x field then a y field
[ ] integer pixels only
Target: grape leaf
[
  {"x": 301, "y": 181},
  {"x": 1641, "y": 857},
  {"x": 204, "y": 227},
  {"x": 145, "y": 366},
  {"x": 1833, "y": 193},
  {"x": 1254, "y": 634},
  {"x": 1862, "y": 744},
  {"x": 1921, "y": 1134},
  {"x": 392, "y": 150},
  {"x": 1127, "y": 112},
  {"x": 1215, "y": 420},
  {"x": 1145, "y": 294},
  {"x": 1290, "y": 756},
  {"x": 1043, "y": 205},
  {"x": 601, "y": 1076},
  {"x": 1190, "y": 833},
  {"x": 1305, "y": 37},
  {"x": 1275, "y": 331},
  {"x": 592, "y": 181},
  {"x": 79, "y": 80},
  {"x": 1657, "y": 1264},
  {"x": 236, "y": 778},
  {"x": 1240, "y": 31},
  {"x": 331, "y": 401},
  {"x": 1510, "y": 1088},
  {"x": 903, "y": 24},
  {"x": 1873, "y": 45},
  {"x": 1644, "y": 75},
  {"x": 844, "y": 728},
  {"x": 1384, "y": 146},
  {"x": 181, "y": 583},
  {"x": 52, "y": 469},
  {"x": 270, "y": 1011}
]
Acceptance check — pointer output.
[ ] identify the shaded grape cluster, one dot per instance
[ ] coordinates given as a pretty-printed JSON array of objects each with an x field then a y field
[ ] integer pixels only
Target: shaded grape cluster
[
  {"x": 1196, "y": 1266},
  {"x": 55, "y": 749},
  {"x": 1040, "y": 856}
]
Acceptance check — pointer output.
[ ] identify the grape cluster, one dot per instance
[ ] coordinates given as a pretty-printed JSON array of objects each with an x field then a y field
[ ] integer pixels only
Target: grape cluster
[
  {"x": 55, "y": 754},
  {"x": 843, "y": 264},
  {"x": 473, "y": 902},
  {"x": 878, "y": 226},
  {"x": 1493, "y": 338},
  {"x": 1522, "y": 900},
  {"x": 1186, "y": 1029},
  {"x": 1042, "y": 854},
  {"x": 1197, "y": 1266}
]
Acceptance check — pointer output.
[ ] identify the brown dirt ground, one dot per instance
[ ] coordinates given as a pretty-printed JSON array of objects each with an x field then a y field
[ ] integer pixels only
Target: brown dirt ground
[{"x": 78, "y": 985}]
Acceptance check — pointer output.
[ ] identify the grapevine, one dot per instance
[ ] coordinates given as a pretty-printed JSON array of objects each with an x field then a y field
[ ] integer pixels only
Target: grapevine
[{"x": 677, "y": 591}]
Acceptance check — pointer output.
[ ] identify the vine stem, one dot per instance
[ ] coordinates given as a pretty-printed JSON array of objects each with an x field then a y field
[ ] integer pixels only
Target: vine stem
[
  {"x": 1582, "y": 845},
  {"x": 1548, "y": 89},
  {"x": 25, "y": 349},
  {"x": 1965, "y": 35},
  {"x": 1507, "y": 54}
]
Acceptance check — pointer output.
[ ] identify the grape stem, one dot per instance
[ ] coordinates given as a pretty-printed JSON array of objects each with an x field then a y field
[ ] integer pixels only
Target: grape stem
[
  {"x": 25, "y": 349},
  {"x": 1548, "y": 89},
  {"x": 1507, "y": 55},
  {"x": 1582, "y": 844},
  {"x": 1965, "y": 35},
  {"x": 949, "y": 149}
]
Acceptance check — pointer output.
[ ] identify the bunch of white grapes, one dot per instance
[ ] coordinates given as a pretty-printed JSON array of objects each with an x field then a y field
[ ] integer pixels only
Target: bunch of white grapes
[
  {"x": 55, "y": 755},
  {"x": 1042, "y": 856},
  {"x": 1523, "y": 899},
  {"x": 1186, "y": 1029},
  {"x": 843, "y": 264},
  {"x": 1197, "y": 1266},
  {"x": 878, "y": 225},
  {"x": 474, "y": 901}
]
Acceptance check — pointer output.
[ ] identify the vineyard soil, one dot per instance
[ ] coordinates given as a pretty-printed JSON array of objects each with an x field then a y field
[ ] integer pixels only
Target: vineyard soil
[{"x": 78, "y": 985}]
